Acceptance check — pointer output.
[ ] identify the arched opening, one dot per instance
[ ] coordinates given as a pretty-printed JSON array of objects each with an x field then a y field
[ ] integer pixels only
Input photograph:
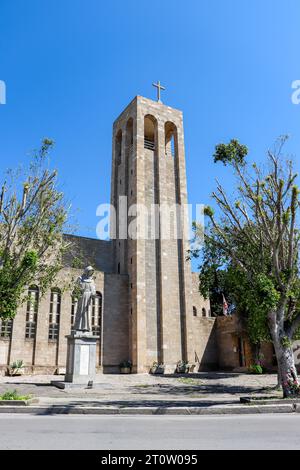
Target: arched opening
[
  {"x": 74, "y": 302},
  {"x": 194, "y": 311},
  {"x": 96, "y": 314},
  {"x": 31, "y": 312},
  {"x": 118, "y": 147},
  {"x": 203, "y": 312},
  {"x": 150, "y": 132},
  {"x": 54, "y": 314},
  {"x": 170, "y": 139}
]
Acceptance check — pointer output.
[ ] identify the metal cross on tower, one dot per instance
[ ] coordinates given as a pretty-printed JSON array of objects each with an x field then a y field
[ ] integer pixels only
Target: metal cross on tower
[{"x": 159, "y": 88}]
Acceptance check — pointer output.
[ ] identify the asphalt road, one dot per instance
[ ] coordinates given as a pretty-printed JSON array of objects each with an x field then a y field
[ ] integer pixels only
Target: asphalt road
[{"x": 150, "y": 432}]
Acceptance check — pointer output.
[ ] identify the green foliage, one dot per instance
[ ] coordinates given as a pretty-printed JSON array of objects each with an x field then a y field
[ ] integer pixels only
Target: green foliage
[
  {"x": 251, "y": 249},
  {"x": 256, "y": 369},
  {"x": 234, "y": 152},
  {"x": 13, "y": 395},
  {"x": 33, "y": 215},
  {"x": 286, "y": 342},
  {"x": 208, "y": 211},
  {"x": 18, "y": 364}
]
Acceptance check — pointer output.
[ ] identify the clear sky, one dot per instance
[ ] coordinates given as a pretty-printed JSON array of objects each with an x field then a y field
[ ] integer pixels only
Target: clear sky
[{"x": 71, "y": 66}]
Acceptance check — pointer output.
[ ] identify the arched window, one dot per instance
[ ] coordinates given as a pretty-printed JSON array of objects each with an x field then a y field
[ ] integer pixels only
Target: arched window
[
  {"x": 96, "y": 314},
  {"x": 54, "y": 314},
  {"x": 194, "y": 311},
  {"x": 73, "y": 311},
  {"x": 203, "y": 312},
  {"x": 129, "y": 135},
  {"x": 149, "y": 132},
  {"x": 118, "y": 147},
  {"x": 6, "y": 328},
  {"x": 170, "y": 139},
  {"x": 31, "y": 312}
]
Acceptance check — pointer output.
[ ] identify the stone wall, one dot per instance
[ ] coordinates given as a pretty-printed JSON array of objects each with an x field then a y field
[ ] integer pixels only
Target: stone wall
[
  {"x": 85, "y": 251},
  {"x": 42, "y": 355}
]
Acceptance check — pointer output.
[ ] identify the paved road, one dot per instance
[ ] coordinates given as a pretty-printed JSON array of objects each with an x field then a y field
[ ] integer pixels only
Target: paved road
[{"x": 150, "y": 432}]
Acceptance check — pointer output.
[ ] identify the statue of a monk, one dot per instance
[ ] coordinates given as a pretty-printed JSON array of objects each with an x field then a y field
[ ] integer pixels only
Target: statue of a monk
[{"x": 87, "y": 290}]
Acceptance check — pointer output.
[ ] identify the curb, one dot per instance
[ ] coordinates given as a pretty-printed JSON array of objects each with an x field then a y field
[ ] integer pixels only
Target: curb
[{"x": 187, "y": 411}]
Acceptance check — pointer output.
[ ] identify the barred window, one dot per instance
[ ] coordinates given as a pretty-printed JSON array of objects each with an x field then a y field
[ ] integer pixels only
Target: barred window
[
  {"x": 73, "y": 312},
  {"x": 54, "y": 315},
  {"x": 96, "y": 314},
  {"x": 195, "y": 313},
  {"x": 31, "y": 312},
  {"x": 6, "y": 328}
]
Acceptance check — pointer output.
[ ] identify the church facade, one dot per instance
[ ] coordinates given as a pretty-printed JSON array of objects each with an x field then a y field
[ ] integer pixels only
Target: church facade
[{"x": 147, "y": 308}]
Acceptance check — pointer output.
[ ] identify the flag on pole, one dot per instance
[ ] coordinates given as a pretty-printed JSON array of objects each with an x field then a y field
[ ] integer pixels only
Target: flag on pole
[{"x": 225, "y": 306}]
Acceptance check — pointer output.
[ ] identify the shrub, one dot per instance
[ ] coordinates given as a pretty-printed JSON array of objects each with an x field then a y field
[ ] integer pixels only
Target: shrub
[{"x": 256, "y": 369}]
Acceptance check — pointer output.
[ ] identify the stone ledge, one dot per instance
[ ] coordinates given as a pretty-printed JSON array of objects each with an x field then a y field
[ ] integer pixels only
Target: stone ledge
[
  {"x": 28, "y": 402},
  {"x": 159, "y": 410}
]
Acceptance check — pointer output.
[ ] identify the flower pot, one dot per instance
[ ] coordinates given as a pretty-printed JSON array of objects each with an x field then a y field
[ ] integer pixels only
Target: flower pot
[
  {"x": 125, "y": 370},
  {"x": 157, "y": 370},
  {"x": 182, "y": 369}
]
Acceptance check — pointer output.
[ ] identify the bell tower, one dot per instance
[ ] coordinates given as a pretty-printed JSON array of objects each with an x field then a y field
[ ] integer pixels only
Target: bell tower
[{"x": 149, "y": 184}]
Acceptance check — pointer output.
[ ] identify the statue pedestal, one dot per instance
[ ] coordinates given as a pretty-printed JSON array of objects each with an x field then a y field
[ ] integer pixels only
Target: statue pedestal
[{"x": 81, "y": 358}]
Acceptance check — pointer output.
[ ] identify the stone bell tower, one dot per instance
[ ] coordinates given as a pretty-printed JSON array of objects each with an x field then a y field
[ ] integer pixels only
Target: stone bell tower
[{"x": 148, "y": 167}]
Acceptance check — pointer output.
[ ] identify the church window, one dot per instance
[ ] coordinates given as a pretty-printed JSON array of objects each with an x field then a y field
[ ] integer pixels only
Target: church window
[
  {"x": 118, "y": 147},
  {"x": 6, "y": 328},
  {"x": 54, "y": 314},
  {"x": 149, "y": 132},
  {"x": 73, "y": 311},
  {"x": 170, "y": 139},
  {"x": 203, "y": 312},
  {"x": 31, "y": 312},
  {"x": 96, "y": 314},
  {"x": 119, "y": 268},
  {"x": 194, "y": 311}
]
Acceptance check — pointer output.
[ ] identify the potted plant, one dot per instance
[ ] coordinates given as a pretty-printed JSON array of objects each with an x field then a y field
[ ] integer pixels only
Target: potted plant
[
  {"x": 182, "y": 367},
  {"x": 125, "y": 367},
  {"x": 157, "y": 368},
  {"x": 16, "y": 368}
]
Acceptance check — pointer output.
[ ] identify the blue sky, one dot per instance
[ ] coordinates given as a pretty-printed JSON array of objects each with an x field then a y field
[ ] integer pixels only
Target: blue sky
[{"x": 71, "y": 66}]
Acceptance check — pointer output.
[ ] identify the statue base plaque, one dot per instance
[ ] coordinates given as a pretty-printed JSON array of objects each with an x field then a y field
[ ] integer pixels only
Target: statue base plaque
[
  {"x": 81, "y": 361},
  {"x": 81, "y": 358}
]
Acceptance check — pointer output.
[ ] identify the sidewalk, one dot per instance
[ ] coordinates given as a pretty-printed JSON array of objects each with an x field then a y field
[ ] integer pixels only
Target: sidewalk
[{"x": 209, "y": 393}]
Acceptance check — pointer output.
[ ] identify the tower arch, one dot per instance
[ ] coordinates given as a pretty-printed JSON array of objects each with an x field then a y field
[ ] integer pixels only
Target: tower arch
[
  {"x": 170, "y": 139},
  {"x": 150, "y": 132}
]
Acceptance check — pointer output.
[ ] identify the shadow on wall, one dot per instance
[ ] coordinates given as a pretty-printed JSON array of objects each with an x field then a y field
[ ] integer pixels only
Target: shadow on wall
[
  {"x": 115, "y": 327},
  {"x": 207, "y": 354}
]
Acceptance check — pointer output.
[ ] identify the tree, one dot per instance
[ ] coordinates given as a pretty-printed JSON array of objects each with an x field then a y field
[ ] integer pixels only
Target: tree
[
  {"x": 219, "y": 276},
  {"x": 33, "y": 214},
  {"x": 258, "y": 233}
]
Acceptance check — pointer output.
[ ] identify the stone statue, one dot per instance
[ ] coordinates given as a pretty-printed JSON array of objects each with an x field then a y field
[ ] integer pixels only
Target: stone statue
[{"x": 86, "y": 287}]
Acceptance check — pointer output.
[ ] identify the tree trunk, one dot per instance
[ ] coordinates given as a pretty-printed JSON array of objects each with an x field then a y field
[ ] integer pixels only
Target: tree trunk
[{"x": 287, "y": 370}]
